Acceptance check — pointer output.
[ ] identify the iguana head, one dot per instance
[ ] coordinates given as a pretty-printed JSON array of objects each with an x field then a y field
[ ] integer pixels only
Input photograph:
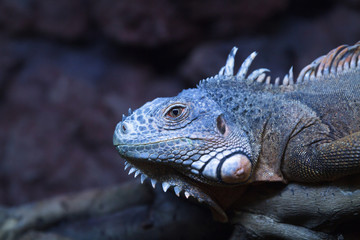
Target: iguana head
[
  {"x": 188, "y": 133},
  {"x": 185, "y": 141},
  {"x": 190, "y": 142}
]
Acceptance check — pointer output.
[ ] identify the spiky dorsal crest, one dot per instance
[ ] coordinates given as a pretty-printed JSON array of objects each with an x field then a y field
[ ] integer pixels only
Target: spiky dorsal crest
[
  {"x": 338, "y": 60},
  {"x": 341, "y": 59}
]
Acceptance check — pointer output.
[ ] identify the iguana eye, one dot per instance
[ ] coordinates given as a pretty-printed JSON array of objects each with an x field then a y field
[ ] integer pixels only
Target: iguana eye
[
  {"x": 175, "y": 112},
  {"x": 176, "y": 116}
]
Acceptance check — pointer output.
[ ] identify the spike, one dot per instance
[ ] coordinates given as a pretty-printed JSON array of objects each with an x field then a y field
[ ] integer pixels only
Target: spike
[
  {"x": 127, "y": 165},
  {"x": 229, "y": 66},
  {"x": 291, "y": 76},
  {"x": 177, "y": 191},
  {"x": 313, "y": 75},
  {"x": 187, "y": 195},
  {"x": 307, "y": 75},
  {"x": 351, "y": 54},
  {"x": 346, "y": 65},
  {"x": 339, "y": 56},
  {"x": 165, "y": 186},
  {"x": 221, "y": 72},
  {"x": 255, "y": 74},
  {"x": 347, "y": 62},
  {"x": 123, "y": 117},
  {"x": 261, "y": 78},
  {"x": 301, "y": 76},
  {"x": 317, "y": 67},
  {"x": 317, "y": 61},
  {"x": 340, "y": 65},
  {"x": 285, "y": 81},
  {"x": 330, "y": 58},
  {"x": 132, "y": 170},
  {"x": 277, "y": 81},
  {"x": 129, "y": 111},
  {"x": 353, "y": 61},
  {"x": 137, "y": 173},
  {"x": 245, "y": 66},
  {"x": 153, "y": 183},
  {"x": 268, "y": 79},
  {"x": 323, "y": 66},
  {"x": 143, "y": 177}
]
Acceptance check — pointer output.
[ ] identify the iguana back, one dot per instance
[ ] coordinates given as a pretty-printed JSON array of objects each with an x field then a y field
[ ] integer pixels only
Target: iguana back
[{"x": 336, "y": 100}]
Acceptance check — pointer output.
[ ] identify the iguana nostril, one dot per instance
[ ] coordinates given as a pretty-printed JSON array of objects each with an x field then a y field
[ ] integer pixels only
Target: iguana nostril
[{"x": 123, "y": 128}]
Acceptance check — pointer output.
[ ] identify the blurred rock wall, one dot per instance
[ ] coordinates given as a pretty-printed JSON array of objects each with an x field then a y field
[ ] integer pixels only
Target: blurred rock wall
[{"x": 70, "y": 68}]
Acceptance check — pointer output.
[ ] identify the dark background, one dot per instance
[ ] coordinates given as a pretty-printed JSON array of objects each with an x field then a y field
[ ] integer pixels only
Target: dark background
[{"x": 69, "y": 69}]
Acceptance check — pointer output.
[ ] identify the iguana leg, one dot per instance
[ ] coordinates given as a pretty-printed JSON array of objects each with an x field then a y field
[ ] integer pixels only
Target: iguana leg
[{"x": 324, "y": 162}]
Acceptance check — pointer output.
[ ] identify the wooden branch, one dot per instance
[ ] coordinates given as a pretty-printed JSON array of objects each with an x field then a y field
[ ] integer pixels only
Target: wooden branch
[
  {"x": 135, "y": 211},
  {"x": 264, "y": 227},
  {"x": 17, "y": 220}
]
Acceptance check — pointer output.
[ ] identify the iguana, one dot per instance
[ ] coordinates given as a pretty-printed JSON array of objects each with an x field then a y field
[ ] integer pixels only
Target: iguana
[{"x": 233, "y": 130}]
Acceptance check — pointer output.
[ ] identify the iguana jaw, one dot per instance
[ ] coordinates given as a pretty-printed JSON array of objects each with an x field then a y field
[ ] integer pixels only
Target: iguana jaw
[
  {"x": 225, "y": 168},
  {"x": 180, "y": 184}
]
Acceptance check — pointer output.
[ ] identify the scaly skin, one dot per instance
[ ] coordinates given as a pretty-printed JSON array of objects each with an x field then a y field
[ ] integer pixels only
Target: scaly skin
[{"x": 233, "y": 130}]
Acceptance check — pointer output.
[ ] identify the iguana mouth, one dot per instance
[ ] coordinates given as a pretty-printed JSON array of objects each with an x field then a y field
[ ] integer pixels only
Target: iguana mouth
[
  {"x": 156, "y": 142},
  {"x": 181, "y": 185}
]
